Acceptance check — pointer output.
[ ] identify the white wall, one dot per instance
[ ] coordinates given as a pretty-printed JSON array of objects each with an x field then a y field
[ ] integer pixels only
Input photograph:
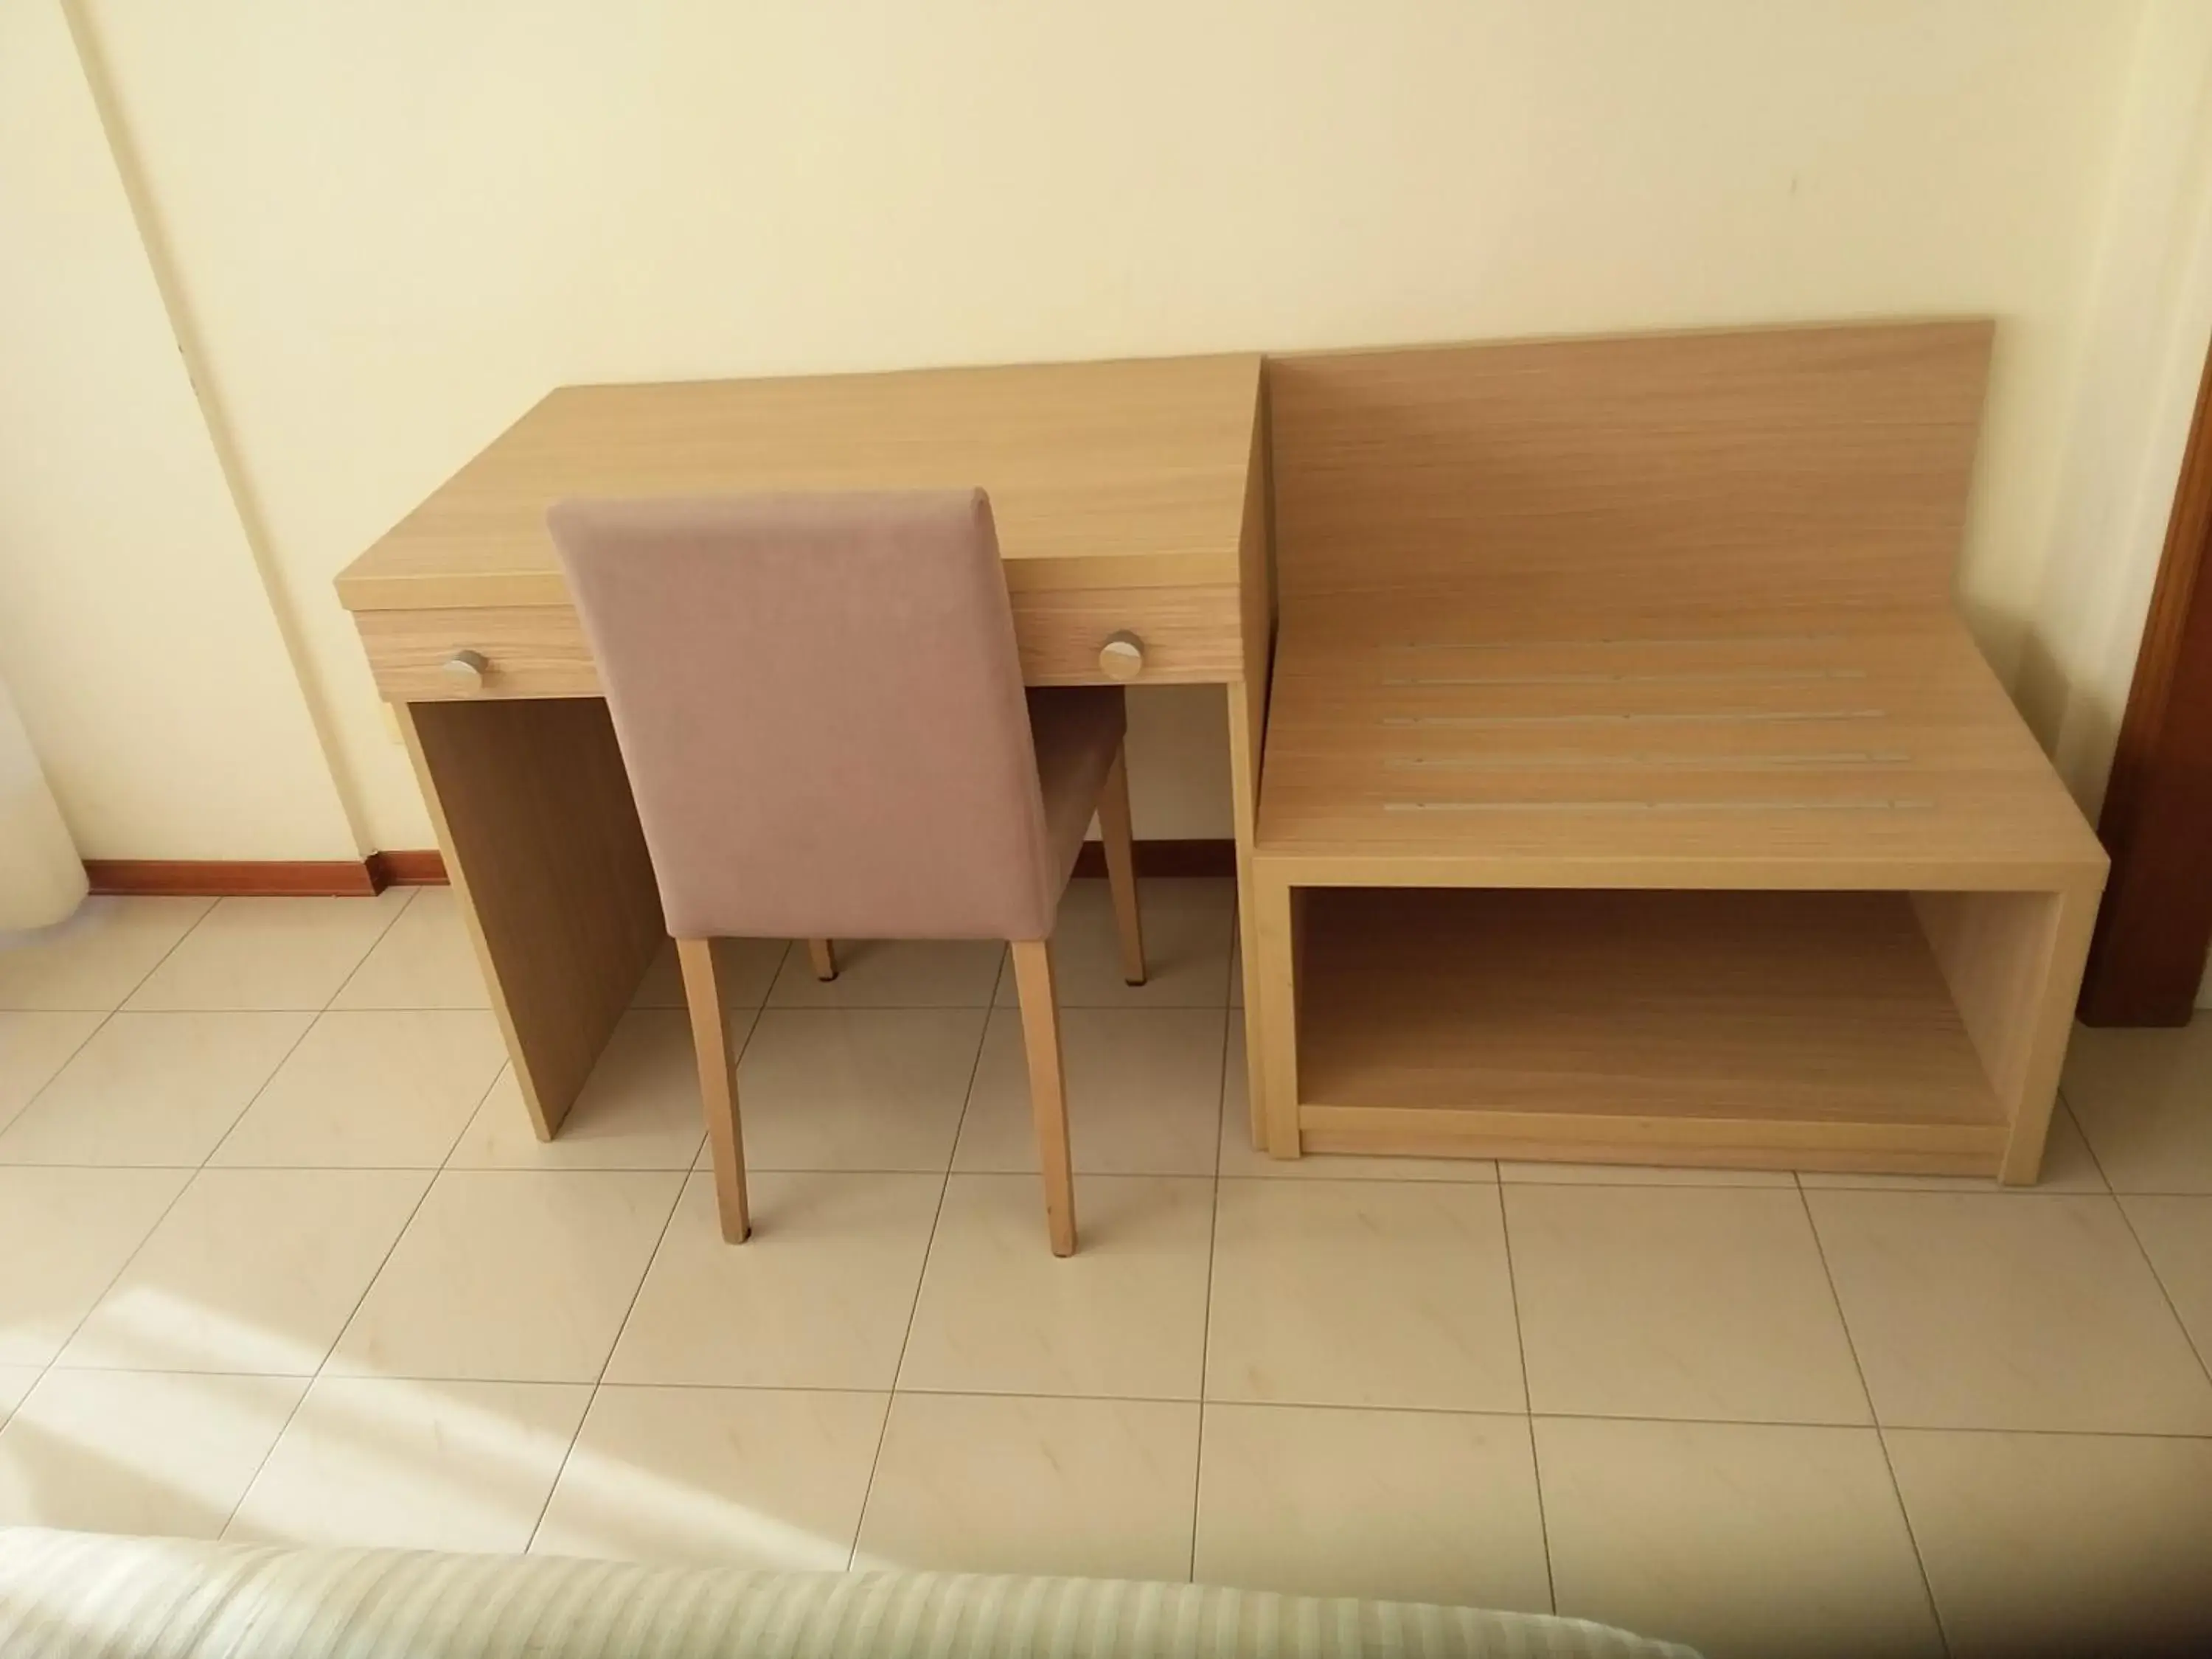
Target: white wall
[
  {"x": 135, "y": 633},
  {"x": 399, "y": 225},
  {"x": 395, "y": 226},
  {"x": 2147, "y": 318}
]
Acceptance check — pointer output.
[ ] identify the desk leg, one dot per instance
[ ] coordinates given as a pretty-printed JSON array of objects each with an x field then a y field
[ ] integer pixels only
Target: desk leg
[
  {"x": 541, "y": 840},
  {"x": 1274, "y": 986},
  {"x": 1244, "y": 729},
  {"x": 2013, "y": 963}
]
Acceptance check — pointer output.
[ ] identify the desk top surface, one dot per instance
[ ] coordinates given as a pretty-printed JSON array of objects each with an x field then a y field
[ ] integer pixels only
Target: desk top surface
[{"x": 1101, "y": 475}]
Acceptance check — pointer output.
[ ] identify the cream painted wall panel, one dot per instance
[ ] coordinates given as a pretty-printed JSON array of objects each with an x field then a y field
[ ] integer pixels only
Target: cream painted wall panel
[
  {"x": 399, "y": 224},
  {"x": 134, "y": 631},
  {"x": 2147, "y": 323},
  {"x": 1179, "y": 763}
]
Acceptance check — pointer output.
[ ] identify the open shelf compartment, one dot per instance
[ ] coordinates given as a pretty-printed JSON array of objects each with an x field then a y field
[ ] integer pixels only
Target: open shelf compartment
[{"x": 1759, "y": 1029}]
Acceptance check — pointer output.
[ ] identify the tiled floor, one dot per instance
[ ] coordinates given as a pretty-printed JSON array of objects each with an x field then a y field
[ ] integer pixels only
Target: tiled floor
[{"x": 279, "y": 1258}]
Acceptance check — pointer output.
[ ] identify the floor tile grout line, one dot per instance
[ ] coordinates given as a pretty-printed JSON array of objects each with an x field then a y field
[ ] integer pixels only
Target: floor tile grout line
[
  {"x": 739, "y": 1046},
  {"x": 460, "y": 1134},
  {"x": 758, "y": 1015},
  {"x": 1888, "y": 1463},
  {"x": 1540, "y": 1180},
  {"x": 67, "y": 1059},
  {"x": 316, "y": 1009},
  {"x": 323, "y": 1370},
  {"x": 314, "y": 1016},
  {"x": 2203, "y": 1357},
  {"x": 277, "y": 1008},
  {"x": 906, "y": 1008},
  {"x": 688, "y": 1166},
  {"x": 207, "y": 1159},
  {"x": 354, "y": 972},
  {"x": 324, "y": 1373},
  {"x": 175, "y": 945},
  {"x": 921, "y": 1280},
  {"x": 191, "y": 1180},
  {"x": 2104, "y": 1175},
  {"x": 327, "y": 1008},
  {"x": 2120, "y": 1199},
  {"x": 2203, "y": 1362},
  {"x": 1212, "y": 1242},
  {"x": 322, "y": 1366},
  {"x": 659, "y": 1243},
  {"x": 192, "y": 1174},
  {"x": 435, "y": 1168},
  {"x": 1991, "y": 1193},
  {"x": 568, "y": 1452},
  {"x": 1382, "y": 1178},
  {"x": 1836, "y": 1301},
  {"x": 252, "y": 1100},
  {"x": 890, "y": 1394},
  {"x": 2104, "y": 1181},
  {"x": 106, "y": 1018},
  {"x": 1155, "y": 1173},
  {"x": 1912, "y": 1537},
  {"x": 1528, "y": 1405}
]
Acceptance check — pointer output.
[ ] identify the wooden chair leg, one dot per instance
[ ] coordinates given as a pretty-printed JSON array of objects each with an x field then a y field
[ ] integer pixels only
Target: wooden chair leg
[
  {"x": 1121, "y": 865},
  {"x": 718, "y": 1083},
  {"x": 823, "y": 955},
  {"x": 1048, "y": 1086}
]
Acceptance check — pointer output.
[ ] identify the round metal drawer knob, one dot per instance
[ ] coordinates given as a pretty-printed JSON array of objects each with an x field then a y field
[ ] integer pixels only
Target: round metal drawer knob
[
  {"x": 1122, "y": 656},
  {"x": 467, "y": 668}
]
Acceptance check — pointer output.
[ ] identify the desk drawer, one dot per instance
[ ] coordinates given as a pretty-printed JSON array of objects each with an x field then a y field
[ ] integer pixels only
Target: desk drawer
[
  {"x": 1185, "y": 634},
  {"x": 527, "y": 650}
]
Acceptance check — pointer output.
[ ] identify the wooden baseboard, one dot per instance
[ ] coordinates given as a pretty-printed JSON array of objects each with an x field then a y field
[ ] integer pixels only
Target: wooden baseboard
[
  {"x": 1166, "y": 858},
  {"x": 233, "y": 877},
  {"x": 426, "y": 867}
]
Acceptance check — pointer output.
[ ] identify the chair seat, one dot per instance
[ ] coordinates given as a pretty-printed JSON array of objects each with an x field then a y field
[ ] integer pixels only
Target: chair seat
[{"x": 1077, "y": 732}]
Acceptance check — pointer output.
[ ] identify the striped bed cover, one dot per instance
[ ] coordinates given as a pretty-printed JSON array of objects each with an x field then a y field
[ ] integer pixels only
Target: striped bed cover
[{"x": 72, "y": 1596}]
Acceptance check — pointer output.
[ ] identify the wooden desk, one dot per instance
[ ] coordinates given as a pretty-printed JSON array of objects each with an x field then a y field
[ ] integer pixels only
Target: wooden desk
[{"x": 1129, "y": 496}]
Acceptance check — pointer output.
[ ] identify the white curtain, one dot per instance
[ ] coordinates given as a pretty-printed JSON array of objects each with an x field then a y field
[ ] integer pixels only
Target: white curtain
[{"x": 41, "y": 879}]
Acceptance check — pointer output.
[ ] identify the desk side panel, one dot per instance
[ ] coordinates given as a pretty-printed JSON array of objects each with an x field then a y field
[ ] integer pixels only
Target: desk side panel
[
  {"x": 1248, "y": 728},
  {"x": 541, "y": 840}
]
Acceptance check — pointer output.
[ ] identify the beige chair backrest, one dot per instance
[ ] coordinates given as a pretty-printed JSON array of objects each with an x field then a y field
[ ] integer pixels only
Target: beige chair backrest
[{"x": 821, "y": 710}]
